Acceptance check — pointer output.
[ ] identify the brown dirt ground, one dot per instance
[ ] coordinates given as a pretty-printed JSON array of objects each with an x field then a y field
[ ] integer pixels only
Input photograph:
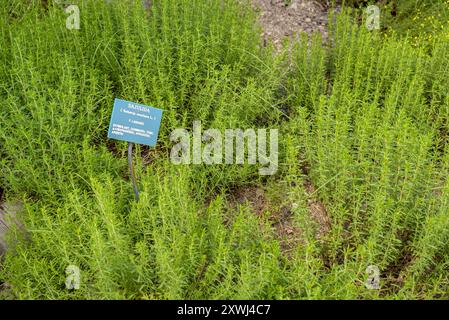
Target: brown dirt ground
[
  {"x": 281, "y": 213},
  {"x": 318, "y": 211}
]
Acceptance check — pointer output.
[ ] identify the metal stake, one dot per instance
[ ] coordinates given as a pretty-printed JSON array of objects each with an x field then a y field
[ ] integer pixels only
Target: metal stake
[{"x": 131, "y": 169}]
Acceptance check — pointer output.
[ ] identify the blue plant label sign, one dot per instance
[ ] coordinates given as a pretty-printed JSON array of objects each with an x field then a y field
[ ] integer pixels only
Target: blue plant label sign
[{"x": 134, "y": 122}]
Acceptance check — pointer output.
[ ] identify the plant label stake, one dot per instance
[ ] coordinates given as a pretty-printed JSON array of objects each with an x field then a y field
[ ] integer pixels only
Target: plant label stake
[{"x": 134, "y": 123}]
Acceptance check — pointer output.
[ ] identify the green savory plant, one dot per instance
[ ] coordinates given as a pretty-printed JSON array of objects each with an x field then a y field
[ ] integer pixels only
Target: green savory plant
[{"x": 362, "y": 180}]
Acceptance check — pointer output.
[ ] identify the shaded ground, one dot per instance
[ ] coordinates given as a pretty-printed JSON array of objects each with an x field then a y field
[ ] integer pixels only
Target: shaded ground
[
  {"x": 318, "y": 211},
  {"x": 280, "y": 211}
]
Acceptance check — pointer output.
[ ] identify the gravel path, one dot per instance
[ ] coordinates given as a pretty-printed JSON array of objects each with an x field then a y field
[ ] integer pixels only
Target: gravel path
[{"x": 285, "y": 18}]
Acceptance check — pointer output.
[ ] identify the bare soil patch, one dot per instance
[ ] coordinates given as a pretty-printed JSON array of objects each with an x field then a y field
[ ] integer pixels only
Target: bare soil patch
[
  {"x": 318, "y": 211},
  {"x": 280, "y": 212}
]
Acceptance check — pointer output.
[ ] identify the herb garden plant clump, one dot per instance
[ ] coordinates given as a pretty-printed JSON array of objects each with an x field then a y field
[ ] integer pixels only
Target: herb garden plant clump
[{"x": 360, "y": 192}]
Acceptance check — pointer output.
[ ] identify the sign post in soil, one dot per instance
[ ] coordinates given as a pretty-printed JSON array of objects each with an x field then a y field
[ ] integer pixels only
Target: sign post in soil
[{"x": 134, "y": 123}]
